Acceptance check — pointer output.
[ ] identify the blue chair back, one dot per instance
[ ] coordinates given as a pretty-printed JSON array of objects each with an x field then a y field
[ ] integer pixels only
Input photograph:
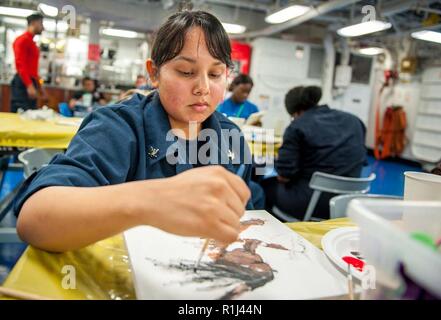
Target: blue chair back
[{"x": 64, "y": 109}]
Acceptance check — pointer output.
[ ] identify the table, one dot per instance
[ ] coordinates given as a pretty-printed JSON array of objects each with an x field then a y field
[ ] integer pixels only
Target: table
[
  {"x": 53, "y": 134},
  {"x": 102, "y": 269},
  {"x": 262, "y": 142},
  {"x": 57, "y": 134}
]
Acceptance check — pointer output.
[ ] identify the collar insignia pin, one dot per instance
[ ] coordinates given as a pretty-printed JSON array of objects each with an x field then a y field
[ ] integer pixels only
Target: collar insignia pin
[{"x": 153, "y": 152}]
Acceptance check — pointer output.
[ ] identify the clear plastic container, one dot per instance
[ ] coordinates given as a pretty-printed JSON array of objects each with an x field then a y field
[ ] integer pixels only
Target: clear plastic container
[{"x": 387, "y": 243}]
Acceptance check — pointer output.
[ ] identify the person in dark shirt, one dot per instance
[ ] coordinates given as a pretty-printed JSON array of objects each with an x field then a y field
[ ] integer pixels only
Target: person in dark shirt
[
  {"x": 437, "y": 169},
  {"x": 88, "y": 97},
  {"x": 318, "y": 139}
]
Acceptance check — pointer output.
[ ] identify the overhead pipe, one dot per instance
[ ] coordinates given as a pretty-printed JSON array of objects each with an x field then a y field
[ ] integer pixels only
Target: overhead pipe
[
  {"x": 311, "y": 14},
  {"x": 242, "y": 4}
]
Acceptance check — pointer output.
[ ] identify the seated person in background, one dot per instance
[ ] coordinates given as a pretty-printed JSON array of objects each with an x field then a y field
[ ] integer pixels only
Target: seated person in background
[
  {"x": 257, "y": 196},
  {"x": 142, "y": 83},
  {"x": 129, "y": 93},
  {"x": 88, "y": 97},
  {"x": 237, "y": 105},
  {"x": 437, "y": 169},
  {"x": 142, "y": 86},
  {"x": 318, "y": 139}
]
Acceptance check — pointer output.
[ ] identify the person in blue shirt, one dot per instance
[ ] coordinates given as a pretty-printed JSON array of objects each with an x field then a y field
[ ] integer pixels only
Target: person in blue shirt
[
  {"x": 318, "y": 139},
  {"x": 237, "y": 105},
  {"x": 128, "y": 164}
]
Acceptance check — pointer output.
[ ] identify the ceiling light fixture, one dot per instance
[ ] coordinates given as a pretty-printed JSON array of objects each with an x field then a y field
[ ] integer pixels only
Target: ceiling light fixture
[
  {"x": 16, "y": 12},
  {"x": 234, "y": 28},
  {"x": 48, "y": 10},
  {"x": 427, "y": 35},
  {"x": 363, "y": 28},
  {"x": 120, "y": 33},
  {"x": 371, "y": 51},
  {"x": 286, "y": 14},
  {"x": 15, "y": 21}
]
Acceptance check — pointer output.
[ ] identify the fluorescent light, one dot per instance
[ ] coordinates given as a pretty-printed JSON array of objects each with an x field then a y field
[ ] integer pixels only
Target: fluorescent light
[
  {"x": 49, "y": 25},
  {"x": 16, "y": 12},
  {"x": 287, "y": 14},
  {"x": 48, "y": 10},
  {"x": 233, "y": 28},
  {"x": 364, "y": 28},
  {"x": 371, "y": 51},
  {"x": 120, "y": 33},
  {"x": 427, "y": 35},
  {"x": 108, "y": 68},
  {"x": 15, "y": 21},
  {"x": 62, "y": 26}
]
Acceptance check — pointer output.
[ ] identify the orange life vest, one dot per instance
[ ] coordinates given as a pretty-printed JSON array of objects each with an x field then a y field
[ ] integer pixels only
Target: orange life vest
[{"x": 391, "y": 139}]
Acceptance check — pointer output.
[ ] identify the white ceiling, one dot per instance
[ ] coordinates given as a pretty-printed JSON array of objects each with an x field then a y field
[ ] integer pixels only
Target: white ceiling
[{"x": 147, "y": 15}]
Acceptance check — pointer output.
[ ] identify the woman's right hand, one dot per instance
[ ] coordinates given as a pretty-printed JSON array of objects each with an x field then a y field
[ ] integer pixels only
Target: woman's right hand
[{"x": 205, "y": 202}]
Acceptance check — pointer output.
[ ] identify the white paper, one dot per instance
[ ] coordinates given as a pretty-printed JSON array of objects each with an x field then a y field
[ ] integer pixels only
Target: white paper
[{"x": 269, "y": 262}]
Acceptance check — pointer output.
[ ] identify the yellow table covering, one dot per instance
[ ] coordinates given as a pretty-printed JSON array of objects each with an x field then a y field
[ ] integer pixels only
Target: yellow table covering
[
  {"x": 57, "y": 133},
  {"x": 53, "y": 134}
]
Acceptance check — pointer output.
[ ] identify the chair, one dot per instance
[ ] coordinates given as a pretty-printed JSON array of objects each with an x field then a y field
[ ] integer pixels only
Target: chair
[
  {"x": 282, "y": 216},
  {"x": 64, "y": 109},
  {"x": 9, "y": 235},
  {"x": 339, "y": 204},
  {"x": 325, "y": 182},
  {"x": 32, "y": 159}
]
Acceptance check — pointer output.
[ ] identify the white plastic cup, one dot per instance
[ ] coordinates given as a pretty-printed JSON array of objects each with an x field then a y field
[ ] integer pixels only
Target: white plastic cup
[{"x": 420, "y": 186}]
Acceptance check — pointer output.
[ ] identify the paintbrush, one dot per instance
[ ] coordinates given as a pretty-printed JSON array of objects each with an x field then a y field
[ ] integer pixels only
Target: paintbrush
[
  {"x": 240, "y": 172},
  {"x": 12, "y": 293},
  {"x": 204, "y": 247},
  {"x": 350, "y": 283}
]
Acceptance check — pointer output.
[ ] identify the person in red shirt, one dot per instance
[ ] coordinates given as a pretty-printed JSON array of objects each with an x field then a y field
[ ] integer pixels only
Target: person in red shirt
[{"x": 25, "y": 85}]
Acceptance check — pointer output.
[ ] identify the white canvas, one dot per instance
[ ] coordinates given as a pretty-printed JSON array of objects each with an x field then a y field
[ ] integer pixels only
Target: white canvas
[{"x": 270, "y": 261}]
